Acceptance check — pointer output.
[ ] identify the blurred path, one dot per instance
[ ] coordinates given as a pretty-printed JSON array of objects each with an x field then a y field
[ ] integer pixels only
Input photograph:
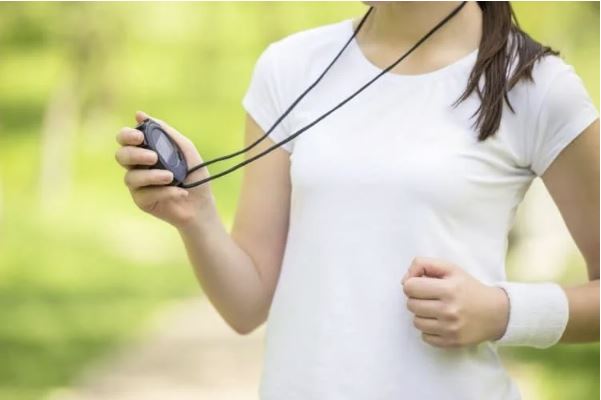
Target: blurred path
[{"x": 190, "y": 353}]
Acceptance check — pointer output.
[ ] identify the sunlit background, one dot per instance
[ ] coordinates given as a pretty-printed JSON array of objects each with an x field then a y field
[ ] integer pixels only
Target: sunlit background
[{"x": 82, "y": 270}]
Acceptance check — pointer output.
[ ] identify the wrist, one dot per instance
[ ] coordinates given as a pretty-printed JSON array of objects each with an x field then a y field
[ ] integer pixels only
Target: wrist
[
  {"x": 500, "y": 314},
  {"x": 538, "y": 314},
  {"x": 201, "y": 221}
]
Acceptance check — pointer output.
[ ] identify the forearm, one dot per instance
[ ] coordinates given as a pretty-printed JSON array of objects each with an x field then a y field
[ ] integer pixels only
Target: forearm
[
  {"x": 225, "y": 272},
  {"x": 583, "y": 324}
]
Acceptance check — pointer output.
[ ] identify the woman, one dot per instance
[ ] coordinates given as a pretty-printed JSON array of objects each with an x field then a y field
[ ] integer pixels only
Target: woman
[{"x": 374, "y": 244}]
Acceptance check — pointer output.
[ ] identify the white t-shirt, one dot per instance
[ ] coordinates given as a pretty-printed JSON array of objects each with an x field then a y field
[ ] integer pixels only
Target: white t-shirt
[{"x": 393, "y": 174}]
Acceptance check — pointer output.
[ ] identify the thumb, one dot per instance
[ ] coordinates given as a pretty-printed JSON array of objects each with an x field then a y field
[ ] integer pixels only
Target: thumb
[
  {"x": 141, "y": 116},
  {"x": 189, "y": 150},
  {"x": 430, "y": 267}
]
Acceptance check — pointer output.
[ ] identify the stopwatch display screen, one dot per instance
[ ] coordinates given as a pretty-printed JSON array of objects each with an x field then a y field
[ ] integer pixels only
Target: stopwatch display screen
[{"x": 165, "y": 147}]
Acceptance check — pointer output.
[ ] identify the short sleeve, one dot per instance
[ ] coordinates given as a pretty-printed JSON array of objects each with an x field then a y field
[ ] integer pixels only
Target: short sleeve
[
  {"x": 566, "y": 109},
  {"x": 263, "y": 98}
]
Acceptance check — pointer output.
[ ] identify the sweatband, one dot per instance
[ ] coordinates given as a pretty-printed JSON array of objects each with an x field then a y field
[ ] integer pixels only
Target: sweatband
[{"x": 538, "y": 314}]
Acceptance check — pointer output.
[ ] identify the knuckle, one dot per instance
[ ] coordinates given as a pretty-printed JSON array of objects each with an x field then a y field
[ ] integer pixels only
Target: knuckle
[
  {"x": 127, "y": 180},
  {"x": 137, "y": 137},
  {"x": 122, "y": 156},
  {"x": 147, "y": 206},
  {"x": 121, "y": 134},
  {"x": 453, "y": 330},
  {"x": 127, "y": 156},
  {"x": 451, "y": 312},
  {"x": 173, "y": 192},
  {"x": 408, "y": 287},
  {"x": 136, "y": 178},
  {"x": 430, "y": 340},
  {"x": 138, "y": 201}
]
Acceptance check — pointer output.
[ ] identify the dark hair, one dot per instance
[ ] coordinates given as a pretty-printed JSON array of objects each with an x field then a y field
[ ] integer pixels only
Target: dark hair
[{"x": 499, "y": 22}]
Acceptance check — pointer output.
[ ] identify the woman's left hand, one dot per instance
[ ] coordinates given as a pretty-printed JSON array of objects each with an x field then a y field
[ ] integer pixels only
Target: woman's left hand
[{"x": 451, "y": 308}]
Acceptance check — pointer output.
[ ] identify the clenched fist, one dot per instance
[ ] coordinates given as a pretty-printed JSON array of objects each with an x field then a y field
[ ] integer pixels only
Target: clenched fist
[{"x": 451, "y": 308}]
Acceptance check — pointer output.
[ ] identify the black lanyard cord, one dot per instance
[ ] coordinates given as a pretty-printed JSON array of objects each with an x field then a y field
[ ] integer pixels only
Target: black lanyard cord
[
  {"x": 343, "y": 102},
  {"x": 289, "y": 109}
]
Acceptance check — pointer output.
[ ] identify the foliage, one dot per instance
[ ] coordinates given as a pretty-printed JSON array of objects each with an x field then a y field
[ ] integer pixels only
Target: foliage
[{"x": 80, "y": 267}]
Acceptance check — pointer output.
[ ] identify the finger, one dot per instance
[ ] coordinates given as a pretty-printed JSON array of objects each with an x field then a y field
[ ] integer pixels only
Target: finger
[
  {"x": 130, "y": 137},
  {"x": 437, "y": 340},
  {"x": 137, "y": 178},
  {"x": 187, "y": 147},
  {"x": 129, "y": 156},
  {"x": 425, "y": 288},
  {"x": 147, "y": 198},
  {"x": 172, "y": 132},
  {"x": 426, "y": 266},
  {"x": 425, "y": 308},
  {"x": 141, "y": 116},
  {"x": 428, "y": 325}
]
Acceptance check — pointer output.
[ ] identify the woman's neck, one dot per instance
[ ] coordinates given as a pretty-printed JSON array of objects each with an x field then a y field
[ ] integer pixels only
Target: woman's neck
[{"x": 401, "y": 24}]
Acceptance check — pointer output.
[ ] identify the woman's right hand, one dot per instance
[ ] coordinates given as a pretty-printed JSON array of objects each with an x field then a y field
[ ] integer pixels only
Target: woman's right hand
[{"x": 148, "y": 187}]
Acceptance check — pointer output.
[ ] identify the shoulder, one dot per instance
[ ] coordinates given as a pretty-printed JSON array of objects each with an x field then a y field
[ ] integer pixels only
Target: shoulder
[
  {"x": 551, "y": 72},
  {"x": 300, "y": 55},
  {"x": 544, "y": 70},
  {"x": 288, "y": 65},
  {"x": 312, "y": 41},
  {"x": 551, "y": 76},
  {"x": 550, "y": 111},
  {"x": 554, "y": 88}
]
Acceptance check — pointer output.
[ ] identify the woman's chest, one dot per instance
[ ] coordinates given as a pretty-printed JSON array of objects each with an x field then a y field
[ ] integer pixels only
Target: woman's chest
[{"x": 416, "y": 148}]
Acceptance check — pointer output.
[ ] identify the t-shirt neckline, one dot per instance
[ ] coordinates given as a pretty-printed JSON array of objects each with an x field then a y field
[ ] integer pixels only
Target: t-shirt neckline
[{"x": 354, "y": 48}]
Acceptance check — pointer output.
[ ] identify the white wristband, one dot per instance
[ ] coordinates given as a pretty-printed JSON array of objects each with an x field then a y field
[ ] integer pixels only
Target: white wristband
[{"x": 538, "y": 314}]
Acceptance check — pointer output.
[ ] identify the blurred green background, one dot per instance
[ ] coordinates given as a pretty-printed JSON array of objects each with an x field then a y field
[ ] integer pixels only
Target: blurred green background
[{"x": 80, "y": 267}]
